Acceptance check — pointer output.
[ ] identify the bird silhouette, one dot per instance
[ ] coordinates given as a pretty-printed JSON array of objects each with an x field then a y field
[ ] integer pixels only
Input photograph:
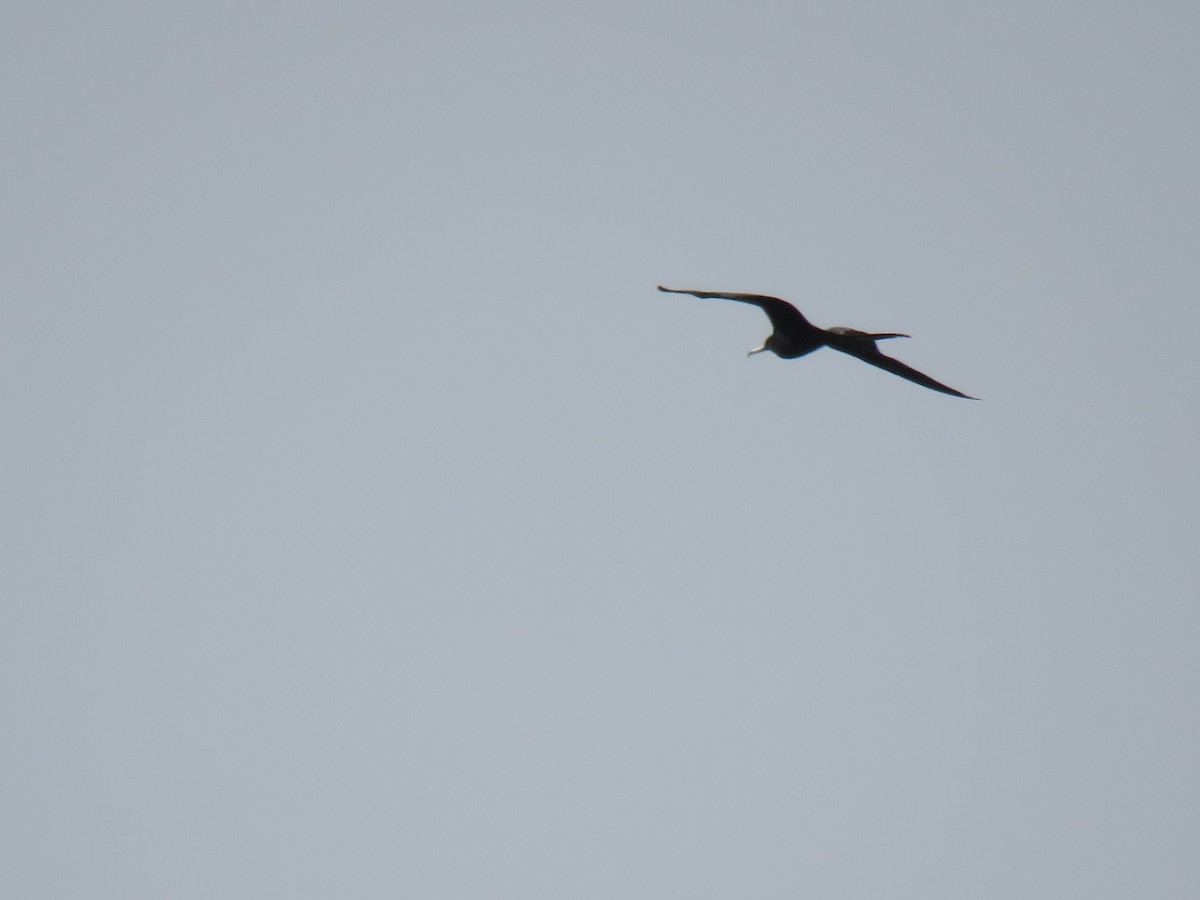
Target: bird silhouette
[{"x": 795, "y": 336}]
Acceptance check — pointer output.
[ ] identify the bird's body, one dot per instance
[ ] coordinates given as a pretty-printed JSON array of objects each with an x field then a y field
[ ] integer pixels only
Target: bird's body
[{"x": 795, "y": 336}]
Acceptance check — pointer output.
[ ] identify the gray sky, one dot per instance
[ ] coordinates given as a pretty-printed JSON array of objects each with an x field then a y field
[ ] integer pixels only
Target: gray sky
[{"x": 374, "y": 528}]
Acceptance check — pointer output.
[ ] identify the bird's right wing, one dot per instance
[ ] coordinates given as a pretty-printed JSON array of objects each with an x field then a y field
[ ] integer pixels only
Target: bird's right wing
[
  {"x": 869, "y": 353},
  {"x": 782, "y": 314}
]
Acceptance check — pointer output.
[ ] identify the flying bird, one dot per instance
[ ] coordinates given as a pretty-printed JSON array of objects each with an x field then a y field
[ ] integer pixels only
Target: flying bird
[{"x": 795, "y": 336}]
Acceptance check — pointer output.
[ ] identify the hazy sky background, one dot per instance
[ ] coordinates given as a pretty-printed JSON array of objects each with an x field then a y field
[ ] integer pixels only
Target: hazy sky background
[{"x": 373, "y": 528}]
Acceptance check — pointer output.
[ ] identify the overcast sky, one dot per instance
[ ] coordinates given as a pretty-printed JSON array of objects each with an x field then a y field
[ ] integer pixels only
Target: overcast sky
[{"x": 373, "y": 528}]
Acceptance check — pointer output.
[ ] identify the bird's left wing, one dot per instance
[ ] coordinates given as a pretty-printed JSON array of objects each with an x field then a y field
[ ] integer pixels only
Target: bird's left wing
[{"x": 782, "y": 314}]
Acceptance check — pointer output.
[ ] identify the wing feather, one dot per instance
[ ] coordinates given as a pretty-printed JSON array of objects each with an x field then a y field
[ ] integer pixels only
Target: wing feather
[
  {"x": 782, "y": 314},
  {"x": 869, "y": 353}
]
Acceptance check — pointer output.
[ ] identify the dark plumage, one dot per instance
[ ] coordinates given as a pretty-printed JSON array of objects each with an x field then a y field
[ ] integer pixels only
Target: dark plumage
[{"x": 795, "y": 336}]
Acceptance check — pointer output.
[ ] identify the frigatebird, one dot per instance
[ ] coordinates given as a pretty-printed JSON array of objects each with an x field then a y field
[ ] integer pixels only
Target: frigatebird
[{"x": 795, "y": 336}]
